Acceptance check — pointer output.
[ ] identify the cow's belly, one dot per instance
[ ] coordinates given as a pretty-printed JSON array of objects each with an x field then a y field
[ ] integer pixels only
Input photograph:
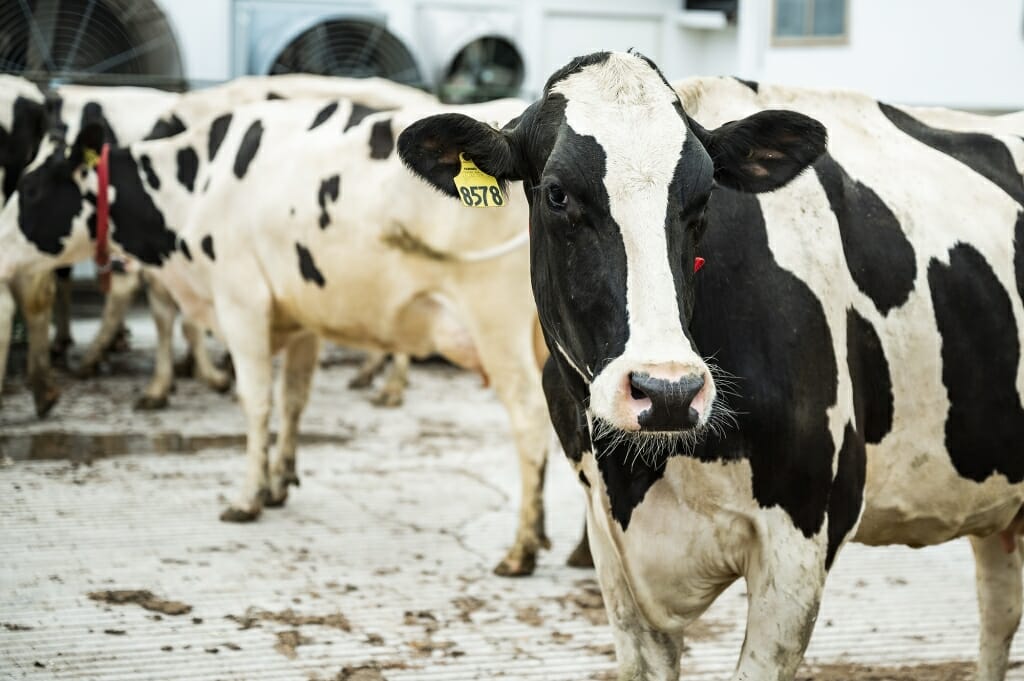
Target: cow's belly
[
  {"x": 917, "y": 498},
  {"x": 686, "y": 542}
]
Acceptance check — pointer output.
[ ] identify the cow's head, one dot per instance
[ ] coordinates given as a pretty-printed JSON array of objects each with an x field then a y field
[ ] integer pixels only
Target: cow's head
[
  {"x": 48, "y": 217},
  {"x": 618, "y": 178}
]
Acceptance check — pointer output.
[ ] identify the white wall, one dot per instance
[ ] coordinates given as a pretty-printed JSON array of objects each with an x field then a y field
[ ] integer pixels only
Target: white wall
[
  {"x": 203, "y": 31},
  {"x": 941, "y": 52}
]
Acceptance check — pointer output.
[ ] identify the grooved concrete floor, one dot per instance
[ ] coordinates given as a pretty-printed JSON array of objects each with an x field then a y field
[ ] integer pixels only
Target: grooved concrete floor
[{"x": 381, "y": 559}]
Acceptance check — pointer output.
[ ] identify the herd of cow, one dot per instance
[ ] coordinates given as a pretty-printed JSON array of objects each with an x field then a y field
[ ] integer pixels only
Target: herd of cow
[{"x": 762, "y": 320}]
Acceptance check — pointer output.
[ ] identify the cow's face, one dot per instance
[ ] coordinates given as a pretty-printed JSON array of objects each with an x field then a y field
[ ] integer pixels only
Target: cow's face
[
  {"x": 48, "y": 216},
  {"x": 618, "y": 178}
]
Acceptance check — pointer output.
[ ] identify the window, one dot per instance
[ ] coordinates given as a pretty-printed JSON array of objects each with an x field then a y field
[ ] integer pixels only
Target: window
[{"x": 809, "y": 22}]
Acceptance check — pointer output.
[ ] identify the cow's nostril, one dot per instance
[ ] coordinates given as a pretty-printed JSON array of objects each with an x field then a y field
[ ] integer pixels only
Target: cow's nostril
[{"x": 635, "y": 391}]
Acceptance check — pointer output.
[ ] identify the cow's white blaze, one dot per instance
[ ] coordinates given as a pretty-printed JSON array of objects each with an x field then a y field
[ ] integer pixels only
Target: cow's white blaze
[{"x": 626, "y": 107}]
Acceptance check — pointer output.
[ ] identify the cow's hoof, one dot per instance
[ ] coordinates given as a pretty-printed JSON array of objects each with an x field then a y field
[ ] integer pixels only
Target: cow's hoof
[
  {"x": 361, "y": 381},
  {"x": 150, "y": 403},
  {"x": 220, "y": 383},
  {"x": 44, "y": 400},
  {"x": 239, "y": 515},
  {"x": 277, "y": 495},
  {"x": 580, "y": 556},
  {"x": 522, "y": 566},
  {"x": 387, "y": 399}
]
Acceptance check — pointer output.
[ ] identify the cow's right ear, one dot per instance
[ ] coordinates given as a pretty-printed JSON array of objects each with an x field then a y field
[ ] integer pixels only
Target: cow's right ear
[
  {"x": 87, "y": 145},
  {"x": 430, "y": 148}
]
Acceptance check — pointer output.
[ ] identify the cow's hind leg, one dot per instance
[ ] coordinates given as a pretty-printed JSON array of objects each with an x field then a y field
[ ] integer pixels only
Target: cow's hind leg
[
  {"x": 245, "y": 326},
  {"x": 392, "y": 393},
  {"x": 296, "y": 376},
  {"x": 35, "y": 292},
  {"x": 115, "y": 307},
  {"x": 373, "y": 364},
  {"x": 62, "y": 339},
  {"x": 998, "y": 581}
]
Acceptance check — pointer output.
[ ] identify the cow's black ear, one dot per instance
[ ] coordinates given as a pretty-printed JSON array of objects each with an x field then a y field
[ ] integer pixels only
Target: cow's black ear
[
  {"x": 430, "y": 148},
  {"x": 764, "y": 151},
  {"x": 89, "y": 142}
]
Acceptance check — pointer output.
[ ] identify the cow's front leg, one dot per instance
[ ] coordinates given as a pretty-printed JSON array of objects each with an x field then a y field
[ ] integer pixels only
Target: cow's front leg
[
  {"x": 164, "y": 313},
  {"x": 35, "y": 292},
  {"x": 785, "y": 579},
  {"x": 297, "y": 375},
  {"x": 998, "y": 580},
  {"x": 115, "y": 307},
  {"x": 204, "y": 368},
  {"x": 62, "y": 339},
  {"x": 642, "y": 652},
  {"x": 6, "y": 328},
  {"x": 245, "y": 326},
  {"x": 372, "y": 365}
]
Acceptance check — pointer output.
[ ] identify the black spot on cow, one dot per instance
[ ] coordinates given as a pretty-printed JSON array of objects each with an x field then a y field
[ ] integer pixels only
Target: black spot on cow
[
  {"x": 218, "y": 129},
  {"x": 382, "y": 140},
  {"x": 328, "y": 191},
  {"x": 752, "y": 84},
  {"x": 247, "y": 150},
  {"x": 627, "y": 484},
  {"x": 878, "y": 253},
  {"x": 183, "y": 247},
  {"x": 138, "y": 225},
  {"x": 1018, "y": 253},
  {"x": 308, "y": 268},
  {"x": 273, "y": 95},
  {"x": 206, "y": 185},
  {"x": 583, "y": 479},
  {"x": 19, "y": 145},
  {"x": 847, "y": 496},
  {"x": 359, "y": 112},
  {"x": 766, "y": 327},
  {"x": 869, "y": 373},
  {"x": 291, "y": 211},
  {"x": 152, "y": 179},
  {"x": 166, "y": 127},
  {"x": 207, "y": 245},
  {"x": 984, "y": 154},
  {"x": 324, "y": 114},
  {"x": 569, "y": 422},
  {"x": 980, "y": 356},
  {"x": 188, "y": 166}
]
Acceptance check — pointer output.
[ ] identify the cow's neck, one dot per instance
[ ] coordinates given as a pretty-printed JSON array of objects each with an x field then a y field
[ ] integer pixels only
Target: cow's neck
[{"x": 138, "y": 226}]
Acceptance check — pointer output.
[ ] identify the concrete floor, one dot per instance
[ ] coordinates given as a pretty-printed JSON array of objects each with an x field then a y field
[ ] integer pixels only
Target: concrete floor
[{"x": 378, "y": 568}]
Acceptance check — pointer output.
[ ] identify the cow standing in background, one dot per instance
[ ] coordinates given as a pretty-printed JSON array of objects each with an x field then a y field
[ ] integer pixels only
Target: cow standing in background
[
  {"x": 751, "y": 366},
  {"x": 280, "y": 236}
]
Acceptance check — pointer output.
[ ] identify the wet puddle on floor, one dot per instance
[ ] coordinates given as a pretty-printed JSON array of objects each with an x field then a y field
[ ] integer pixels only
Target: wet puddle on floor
[{"x": 83, "y": 447}]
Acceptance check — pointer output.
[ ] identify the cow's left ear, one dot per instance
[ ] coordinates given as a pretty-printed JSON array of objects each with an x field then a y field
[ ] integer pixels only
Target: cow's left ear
[
  {"x": 430, "y": 148},
  {"x": 764, "y": 151},
  {"x": 87, "y": 145}
]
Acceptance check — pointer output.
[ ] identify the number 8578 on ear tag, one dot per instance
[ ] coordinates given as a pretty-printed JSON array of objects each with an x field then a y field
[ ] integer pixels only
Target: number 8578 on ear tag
[{"x": 476, "y": 188}]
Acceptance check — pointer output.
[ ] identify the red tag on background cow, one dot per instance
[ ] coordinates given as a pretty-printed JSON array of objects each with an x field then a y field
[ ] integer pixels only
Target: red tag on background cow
[{"x": 697, "y": 264}]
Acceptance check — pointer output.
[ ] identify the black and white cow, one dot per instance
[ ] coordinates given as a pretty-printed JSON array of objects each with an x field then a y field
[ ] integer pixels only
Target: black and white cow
[
  {"x": 22, "y": 124},
  {"x": 297, "y": 225},
  {"x": 846, "y": 364}
]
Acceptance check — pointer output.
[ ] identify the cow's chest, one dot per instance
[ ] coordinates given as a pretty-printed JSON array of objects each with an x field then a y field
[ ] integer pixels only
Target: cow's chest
[{"x": 687, "y": 539}]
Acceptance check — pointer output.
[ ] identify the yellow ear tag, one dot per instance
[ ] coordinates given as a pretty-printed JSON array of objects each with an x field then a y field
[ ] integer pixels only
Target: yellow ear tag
[
  {"x": 476, "y": 188},
  {"x": 92, "y": 158}
]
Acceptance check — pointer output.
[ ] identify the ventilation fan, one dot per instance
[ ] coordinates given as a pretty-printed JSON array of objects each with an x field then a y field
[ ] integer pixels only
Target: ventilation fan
[
  {"x": 94, "y": 41},
  {"x": 487, "y": 68},
  {"x": 349, "y": 47}
]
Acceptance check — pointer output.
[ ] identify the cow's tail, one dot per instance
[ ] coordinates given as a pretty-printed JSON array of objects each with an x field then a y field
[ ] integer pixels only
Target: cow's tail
[{"x": 401, "y": 238}]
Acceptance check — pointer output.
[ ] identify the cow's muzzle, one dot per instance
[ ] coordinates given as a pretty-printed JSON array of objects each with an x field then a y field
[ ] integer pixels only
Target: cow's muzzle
[{"x": 666, "y": 405}]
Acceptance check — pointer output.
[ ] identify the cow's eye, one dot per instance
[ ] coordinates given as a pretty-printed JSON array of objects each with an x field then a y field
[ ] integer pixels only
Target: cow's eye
[{"x": 557, "y": 198}]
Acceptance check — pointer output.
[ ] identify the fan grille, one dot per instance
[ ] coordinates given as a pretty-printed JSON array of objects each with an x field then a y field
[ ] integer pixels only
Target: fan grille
[
  {"x": 349, "y": 47},
  {"x": 97, "y": 41}
]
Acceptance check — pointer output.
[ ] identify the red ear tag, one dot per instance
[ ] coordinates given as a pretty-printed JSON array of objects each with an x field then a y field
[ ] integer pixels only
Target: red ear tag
[{"x": 697, "y": 264}]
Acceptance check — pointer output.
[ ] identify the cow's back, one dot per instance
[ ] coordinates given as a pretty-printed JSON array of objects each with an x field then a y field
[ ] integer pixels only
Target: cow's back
[{"x": 896, "y": 273}]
